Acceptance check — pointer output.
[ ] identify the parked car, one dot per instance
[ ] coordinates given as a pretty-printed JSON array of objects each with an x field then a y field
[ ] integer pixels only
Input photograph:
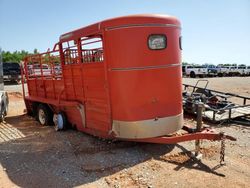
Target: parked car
[
  {"x": 11, "y": 72},
  {"x": 211, "y": 70},
  {"x": 248, "y": 70},
  {"x": 242, "y": 70},
  {"x": 195, "y": 70},
  {"x": 38, "y": 70},
  {"x": 221, "y": 70},
  {"x": 58, "y": 69},
  {"x": 231, "y": 70}
]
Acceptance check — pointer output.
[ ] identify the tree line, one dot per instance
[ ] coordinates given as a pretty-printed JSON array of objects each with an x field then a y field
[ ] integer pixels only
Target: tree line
[{"x": 16, "y": 56}]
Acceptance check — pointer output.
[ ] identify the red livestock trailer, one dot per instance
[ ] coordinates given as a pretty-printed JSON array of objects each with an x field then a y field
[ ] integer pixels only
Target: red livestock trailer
[{"x": 116, "y": 79}]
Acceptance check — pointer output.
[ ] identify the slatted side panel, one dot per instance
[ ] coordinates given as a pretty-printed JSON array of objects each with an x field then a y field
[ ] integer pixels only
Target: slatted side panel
[
  {"x": 49, "y": 88},
  {"x": 59, "y": 86},
  {"x": 40, "y": 88},
  {"x": 32, "y": 87},
  {"x": 69, "y": 87},
  {"x": 78, "y": 82},
  {"x": 73, "y": 82},
  {"x": 97, "y": 105}
]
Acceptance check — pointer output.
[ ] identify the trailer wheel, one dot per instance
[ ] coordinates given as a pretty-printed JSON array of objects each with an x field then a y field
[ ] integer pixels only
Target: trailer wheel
[
  {"x": 60, "y": 121},
  {"x": 192, "y": 74},
  {"x": 44, "y": 115}
]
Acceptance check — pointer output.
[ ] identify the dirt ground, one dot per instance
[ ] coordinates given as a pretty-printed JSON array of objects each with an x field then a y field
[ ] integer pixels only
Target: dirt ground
[{"x": 36, "y": 156}]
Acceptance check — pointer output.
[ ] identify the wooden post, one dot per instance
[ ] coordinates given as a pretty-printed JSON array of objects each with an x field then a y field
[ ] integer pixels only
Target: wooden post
[{"x": 200, "y": 107}]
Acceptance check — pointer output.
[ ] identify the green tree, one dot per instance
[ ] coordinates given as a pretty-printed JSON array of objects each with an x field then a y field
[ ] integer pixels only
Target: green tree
[
  {"x": 16, "y": 56},
  {"x": 184, "y": 63}
]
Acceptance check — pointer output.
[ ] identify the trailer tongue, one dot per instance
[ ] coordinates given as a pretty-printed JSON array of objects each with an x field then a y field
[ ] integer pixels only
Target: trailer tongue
[{"x": 189, "y": 135}]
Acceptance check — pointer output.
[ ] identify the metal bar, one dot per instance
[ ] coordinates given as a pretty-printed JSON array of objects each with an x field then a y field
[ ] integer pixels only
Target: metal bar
[
  {"x": 244, "y": 101},
  {"x": 53, "y": 75},
  {"x": 142, "y": 25},
  {"x": 30, "y": 56},
  {"x": 230, "y": 94},
  {"x": 91, "y": 41},
  {"x": 42, "y": 77},
  {"x": 22, "y": 81},
  {"x": 231, "y": 107},
  {"x": 1, "y": 72},
  {"x": 206, "y": 134},
  {"x": 198, "y": 83},
  {"x": 214, "y": 116},
  {"x": 200, "y": 107},
  {"x": 107, "y": 81}
]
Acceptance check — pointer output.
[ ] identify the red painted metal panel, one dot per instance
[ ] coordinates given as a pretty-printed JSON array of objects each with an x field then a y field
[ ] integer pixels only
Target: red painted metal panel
[
  {"x": 96, "y": 93},
  {"x": 49, "y": 89},
  {"x": 145, "y": 83},
  {"x": 119, "y": 21}
]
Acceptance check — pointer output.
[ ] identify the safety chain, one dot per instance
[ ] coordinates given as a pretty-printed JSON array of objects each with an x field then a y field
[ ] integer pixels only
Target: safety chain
[{"x": 222, "y": 149}]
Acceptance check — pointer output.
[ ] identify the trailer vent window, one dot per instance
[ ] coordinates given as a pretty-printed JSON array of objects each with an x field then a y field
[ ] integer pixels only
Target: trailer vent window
[
  {"x": 92, "y": 49},
  {"x": 157, "y": 42},
  {"x": 70, "y": 52}
]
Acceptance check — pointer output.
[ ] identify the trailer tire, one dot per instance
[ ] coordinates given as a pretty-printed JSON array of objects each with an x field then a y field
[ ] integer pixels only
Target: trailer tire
[
  {"x": 60, "y": 121},
  {"x": 192, "y": 74},
  {"x": 44, "y": 115}
]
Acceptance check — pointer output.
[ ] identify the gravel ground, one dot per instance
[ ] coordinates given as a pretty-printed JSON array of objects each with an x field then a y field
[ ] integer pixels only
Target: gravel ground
[{"x": 36, "y": 156}]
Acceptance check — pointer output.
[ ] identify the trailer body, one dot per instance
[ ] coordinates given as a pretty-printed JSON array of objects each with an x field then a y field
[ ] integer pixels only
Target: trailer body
[{"x": 119, "y": 77}]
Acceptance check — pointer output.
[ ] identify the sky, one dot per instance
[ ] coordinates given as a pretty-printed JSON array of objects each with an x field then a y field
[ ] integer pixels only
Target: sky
[{"x": 213, "y": 31}]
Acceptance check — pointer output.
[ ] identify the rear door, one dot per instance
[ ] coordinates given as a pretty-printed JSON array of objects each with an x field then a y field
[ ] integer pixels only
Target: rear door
[
  {"x": 84, "y": 79},
  {"x": 95, "y": 84}
]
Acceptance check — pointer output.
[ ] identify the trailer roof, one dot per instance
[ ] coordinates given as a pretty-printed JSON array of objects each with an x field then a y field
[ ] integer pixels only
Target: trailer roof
[{"x": 120, "y": 22}]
